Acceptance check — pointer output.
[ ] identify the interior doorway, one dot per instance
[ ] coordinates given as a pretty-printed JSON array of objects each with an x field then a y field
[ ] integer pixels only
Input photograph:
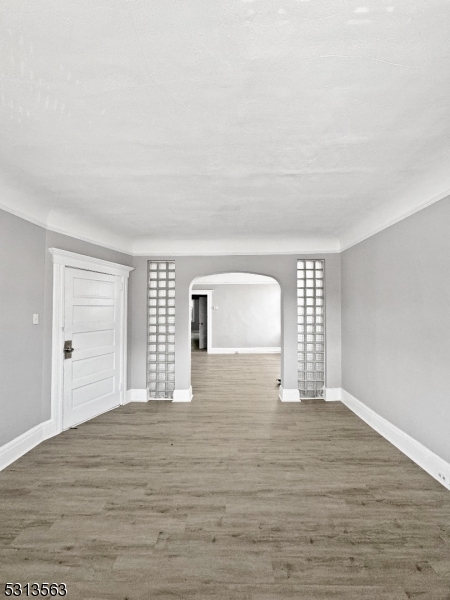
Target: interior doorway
[
  {"x": 89, "y": 339},
  {"x": 201, "y": 321},
  {"x": 239, "y": 314}
]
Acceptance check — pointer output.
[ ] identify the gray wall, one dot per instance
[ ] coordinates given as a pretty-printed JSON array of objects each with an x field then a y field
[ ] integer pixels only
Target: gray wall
[
  {"x": 281, "y": 267},
  {"x": 26, "y": 287},
  {"x": 396, "y": 325},
  {"x": 22, "y": 263},
  {"x": 247, "y": 316}
]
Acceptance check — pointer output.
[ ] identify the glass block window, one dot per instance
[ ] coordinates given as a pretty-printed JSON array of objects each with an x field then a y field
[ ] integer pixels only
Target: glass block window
[
  {"x": 311, "y": 328},
  {"x": 161, "y": 329}
]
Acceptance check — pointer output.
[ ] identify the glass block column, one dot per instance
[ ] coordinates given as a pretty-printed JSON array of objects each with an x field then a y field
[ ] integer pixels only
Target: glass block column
[
  {"x": 311, "y": 328},
  {"x": 161, "y": 329}
]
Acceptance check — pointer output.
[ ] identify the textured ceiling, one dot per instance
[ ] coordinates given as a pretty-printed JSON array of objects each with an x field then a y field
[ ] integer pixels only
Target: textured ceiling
[{"x": 234, "y": 125}]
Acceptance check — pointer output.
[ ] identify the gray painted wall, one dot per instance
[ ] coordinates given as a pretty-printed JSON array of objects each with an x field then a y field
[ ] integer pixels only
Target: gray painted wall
[
  {"x": 26, "y": 287},
  {"x": 247, "y": 316},
  {"x": 396, "y": 325},
  {"x": 22, "y": 261},
  {"x": 281, "y": 267}
]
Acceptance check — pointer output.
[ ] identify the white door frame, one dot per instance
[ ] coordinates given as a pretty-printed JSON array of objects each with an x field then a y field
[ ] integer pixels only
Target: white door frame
[
  {"x": 208, "y": 294},
  {"x": 61, "y": 260}
]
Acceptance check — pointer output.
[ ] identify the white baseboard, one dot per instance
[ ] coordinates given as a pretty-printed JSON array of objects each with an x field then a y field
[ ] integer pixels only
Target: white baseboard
[
  {"x": 136, "y": 396},
  {"x": 268, "y": 350},
  {"x": 430, "y": 462},
  {"x": 16, "y": 448},
  {"x": 182, "y": 395},
  {"x": 289, "y": 395},
  {"x": 333, "y": 394}
]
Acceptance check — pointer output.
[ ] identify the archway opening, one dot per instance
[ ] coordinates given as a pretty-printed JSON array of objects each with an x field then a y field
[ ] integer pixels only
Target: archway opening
[{"x": 236, "y": 334}]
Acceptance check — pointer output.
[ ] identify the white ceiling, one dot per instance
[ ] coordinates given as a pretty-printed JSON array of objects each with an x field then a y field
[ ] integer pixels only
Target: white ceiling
[{"x": 226, "y": 125}]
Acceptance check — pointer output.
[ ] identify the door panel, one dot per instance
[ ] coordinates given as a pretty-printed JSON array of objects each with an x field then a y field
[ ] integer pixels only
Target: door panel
[
  {"x": 93, "y": 289},
  {"x": 202, "y": 324},
  {"x": 92, "y": 365},
  {"x": 92, "y": 392},
  {"x": 88, "y": 314},
  {"x": 92, "y": 321},
  {"x": 90, "y": 340}
]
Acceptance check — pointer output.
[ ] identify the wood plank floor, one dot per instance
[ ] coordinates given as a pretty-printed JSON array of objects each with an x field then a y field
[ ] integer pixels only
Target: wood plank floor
[{"x": 234, "y": 496}]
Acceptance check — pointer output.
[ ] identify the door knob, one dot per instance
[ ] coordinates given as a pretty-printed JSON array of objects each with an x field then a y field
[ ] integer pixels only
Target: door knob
[{"x": 68, "y": 349}]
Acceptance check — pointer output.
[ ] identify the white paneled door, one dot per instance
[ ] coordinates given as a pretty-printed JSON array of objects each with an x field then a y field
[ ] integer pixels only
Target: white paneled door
[{"x": 92, "y": 325}]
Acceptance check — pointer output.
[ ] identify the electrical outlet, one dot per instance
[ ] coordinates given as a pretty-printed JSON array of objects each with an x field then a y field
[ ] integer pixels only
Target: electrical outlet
[
  {"x": 445, "y": 478},
  {"x": 35, "y": 319}
]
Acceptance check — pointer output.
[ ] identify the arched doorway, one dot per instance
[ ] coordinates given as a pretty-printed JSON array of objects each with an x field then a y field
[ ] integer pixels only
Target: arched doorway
[
  {"x": 281, "y": 268},
  {"x": 236, "y": 317}
]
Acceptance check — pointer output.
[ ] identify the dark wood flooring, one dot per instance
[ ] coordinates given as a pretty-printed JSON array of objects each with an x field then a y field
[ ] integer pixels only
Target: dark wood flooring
[{"x": 233, "y": 496}]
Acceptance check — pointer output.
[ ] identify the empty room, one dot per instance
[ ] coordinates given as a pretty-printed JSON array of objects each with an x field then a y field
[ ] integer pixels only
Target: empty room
[{"x": 224, "y": 293}]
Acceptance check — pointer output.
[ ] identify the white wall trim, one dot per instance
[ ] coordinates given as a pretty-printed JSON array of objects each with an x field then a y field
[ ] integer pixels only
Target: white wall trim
[
  {"x": 157, "y": 247},
  {"x": 182, "y": 395},
  {"x": 22, "y": 444},
  {"x": 26, "y": 215},
  {"x": 136, "y": 396},
  {"x": 289, "y": 395},
  {"x": 268, "y": 350},
  {"x": 333, "y": 394},
  {"x": 363, "y": 233},
  {"x": 195, "y": 290},
  {"x": 88, "y": 263},
  {"x": 234, "y": 278},
  {"x": 152, "y": 247},
  {"x": 430, "y": 462},
  {"x": 61, "y": 260}
]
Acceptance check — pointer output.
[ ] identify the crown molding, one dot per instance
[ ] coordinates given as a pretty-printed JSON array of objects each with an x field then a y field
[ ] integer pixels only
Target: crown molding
[
  {"x": 26, "y": 216},
  {"x": 229, "y": 247},
  {"x": 124, "y": 249},
  {"x": 362, "y": 233},
  {"x": 284, "y": 246}
]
